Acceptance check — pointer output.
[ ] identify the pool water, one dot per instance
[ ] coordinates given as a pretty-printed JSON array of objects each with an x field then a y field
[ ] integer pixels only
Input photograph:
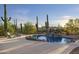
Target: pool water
[
  {"x": 52, "y": 39},
  {"x": 59, "y": 40}
]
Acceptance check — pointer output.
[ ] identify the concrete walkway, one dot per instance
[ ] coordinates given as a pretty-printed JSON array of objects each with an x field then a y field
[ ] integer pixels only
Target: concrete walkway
[
  {"x": 70, "y": 48},
  {"x": 20, "y": 45},
  {"x": 10, "y": 39}
]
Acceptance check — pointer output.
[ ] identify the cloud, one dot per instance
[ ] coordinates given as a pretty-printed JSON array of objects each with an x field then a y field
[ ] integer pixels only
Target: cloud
[
  {"x": 68, "y": 17},
  {"x": 62, "y": 20},
  {"x": 22, "y": 11},
  {"x": 22, "y": 16},
  {"x": 76, "y": 9}
]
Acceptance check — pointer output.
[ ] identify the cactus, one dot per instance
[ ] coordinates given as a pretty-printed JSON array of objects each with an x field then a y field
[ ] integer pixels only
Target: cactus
[
  {"x": 37, "y": 23},
  {"x": 15, "y": 23},
  {"x": 47, "y": 24},
  {"x": 5, "y": 19},
  {"x": 21, "y": 27}
]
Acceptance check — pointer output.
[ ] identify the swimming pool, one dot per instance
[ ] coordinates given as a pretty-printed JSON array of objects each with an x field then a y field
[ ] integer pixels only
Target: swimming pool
[{"x": 52, "y": 38}]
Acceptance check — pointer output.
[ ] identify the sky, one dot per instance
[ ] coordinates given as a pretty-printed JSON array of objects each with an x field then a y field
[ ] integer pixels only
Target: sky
[{"x": 58, "y": 13}]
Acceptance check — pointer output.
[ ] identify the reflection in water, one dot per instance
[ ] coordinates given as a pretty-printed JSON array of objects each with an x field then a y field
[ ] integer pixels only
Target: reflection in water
[
  {"x": 64, "y": 40},
  {"x": 55, "y": 39},
  {"x": 52, "y": 39}
]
